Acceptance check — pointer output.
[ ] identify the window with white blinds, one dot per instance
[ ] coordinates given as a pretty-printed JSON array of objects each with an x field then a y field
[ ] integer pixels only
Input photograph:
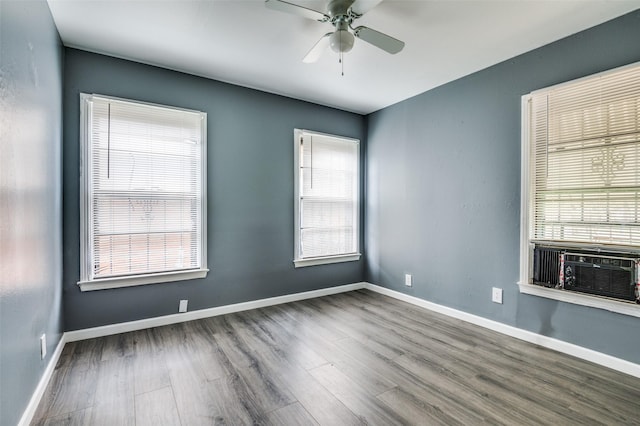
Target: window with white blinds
[
  {"x": 143, "y": 194},
  {"x": 584, "y": 160},
  {"x": 327, "y": 198}
]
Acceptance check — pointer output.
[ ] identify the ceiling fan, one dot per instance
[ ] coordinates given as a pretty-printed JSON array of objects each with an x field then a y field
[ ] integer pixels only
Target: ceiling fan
[{"x": 341, "y": 14}]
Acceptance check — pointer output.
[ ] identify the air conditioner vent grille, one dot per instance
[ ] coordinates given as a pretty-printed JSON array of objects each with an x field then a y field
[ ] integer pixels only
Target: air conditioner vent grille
[{"x": 546, "y": 266}]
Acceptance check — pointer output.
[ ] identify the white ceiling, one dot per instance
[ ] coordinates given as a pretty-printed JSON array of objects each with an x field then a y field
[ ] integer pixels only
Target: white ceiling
[{"x": 243, "y": 42}]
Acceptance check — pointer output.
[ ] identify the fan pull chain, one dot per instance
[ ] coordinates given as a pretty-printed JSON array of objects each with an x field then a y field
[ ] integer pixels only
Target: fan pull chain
[{"x": 341, "y": 61}]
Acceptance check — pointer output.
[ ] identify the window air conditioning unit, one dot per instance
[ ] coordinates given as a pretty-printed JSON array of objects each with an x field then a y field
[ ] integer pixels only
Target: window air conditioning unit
[{"x": 604, "y": 274}]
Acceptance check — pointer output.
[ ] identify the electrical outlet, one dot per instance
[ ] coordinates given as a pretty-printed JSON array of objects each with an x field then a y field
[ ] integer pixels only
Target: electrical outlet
[
  {"x": 496, "y": 295},
  {"x": 183, "y": 306},
  {"x": 43, "y": 346},
  {"x": 408, "y": 280}
]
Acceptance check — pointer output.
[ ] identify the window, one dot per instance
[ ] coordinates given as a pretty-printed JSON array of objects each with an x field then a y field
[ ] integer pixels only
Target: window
[
  {"x": 327, "y": 209},
  {"x": 142, "y": 195},
  {"x": 581, "y": 166}
]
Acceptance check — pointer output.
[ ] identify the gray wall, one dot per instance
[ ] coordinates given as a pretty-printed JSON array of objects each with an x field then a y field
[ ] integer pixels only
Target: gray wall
[
  {"x": 31, "y": 58},
  {"x": 250, "y": 191},
  {"x": 443, "y": 191}
]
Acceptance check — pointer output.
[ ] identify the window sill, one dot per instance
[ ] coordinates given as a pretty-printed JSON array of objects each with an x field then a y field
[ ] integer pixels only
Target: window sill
[
  {"x": 620, "y": 307},
  {"x": 300, "y": 263},
  {"x": 129, "y": 281}
]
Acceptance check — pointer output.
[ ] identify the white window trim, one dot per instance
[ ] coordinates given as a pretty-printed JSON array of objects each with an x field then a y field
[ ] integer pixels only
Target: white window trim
[
  {"x": 326, "y": 260},
  {"x": 135, "y": 280},
  {"x": 526, "y": 253},
  {"x": 85, "y": 211},
  {"x": 583, "y": 299},
  {"x": 323, "y": 260}
]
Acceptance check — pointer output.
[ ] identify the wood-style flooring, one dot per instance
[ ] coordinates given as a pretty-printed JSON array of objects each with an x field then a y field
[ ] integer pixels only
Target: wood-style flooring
[{"x": 351, "y": 358}]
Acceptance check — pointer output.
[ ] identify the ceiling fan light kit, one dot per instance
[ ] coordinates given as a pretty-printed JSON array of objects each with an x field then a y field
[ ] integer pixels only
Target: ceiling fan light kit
[
  {"x": 341, "y": 41},
  {"x": 340, "y": 14}
]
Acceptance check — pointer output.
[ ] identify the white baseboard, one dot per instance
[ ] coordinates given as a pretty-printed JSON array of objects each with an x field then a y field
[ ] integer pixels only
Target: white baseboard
[
  {"x": 605, "y": 360},
  {"x": 30, "y": 411},
  {"x": 107, "y": 330}
]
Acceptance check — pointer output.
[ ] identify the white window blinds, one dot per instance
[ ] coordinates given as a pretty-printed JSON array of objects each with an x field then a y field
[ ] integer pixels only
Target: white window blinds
[
  {"x": 143, "y": 178},
  {"x": 328, "y": 195},
  {"x": 585, "y": 160}
]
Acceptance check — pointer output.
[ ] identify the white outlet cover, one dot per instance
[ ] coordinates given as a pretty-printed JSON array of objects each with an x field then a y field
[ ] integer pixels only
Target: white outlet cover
[
  {"x": 408, "y": 280},
  {"x": 496, "y": 295},
  {"x": 183, "y": 306},
  {"x": 43, "y": 346}
]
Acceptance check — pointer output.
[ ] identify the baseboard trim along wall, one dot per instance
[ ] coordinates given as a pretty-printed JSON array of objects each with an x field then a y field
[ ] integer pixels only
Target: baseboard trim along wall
[
  {"x": 30, "y": 411},
  {"x": 528, "y": 336},
  {"x": 107, "y": 330}
]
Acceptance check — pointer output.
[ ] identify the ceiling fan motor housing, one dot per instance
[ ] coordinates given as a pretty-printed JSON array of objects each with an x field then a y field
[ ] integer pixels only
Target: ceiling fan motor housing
[{"x": 338, "y": 8}]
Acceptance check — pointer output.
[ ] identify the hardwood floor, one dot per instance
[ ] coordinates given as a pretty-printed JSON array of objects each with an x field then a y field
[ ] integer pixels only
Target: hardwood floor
[{"x": 351, "y": 358}]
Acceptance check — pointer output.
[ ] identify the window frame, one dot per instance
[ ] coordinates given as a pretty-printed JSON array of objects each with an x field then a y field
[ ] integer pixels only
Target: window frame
[
  {"x": 323, "y": 260},
  {"x": 86, "y": 283},
  {"x": 526, "y": 222}
]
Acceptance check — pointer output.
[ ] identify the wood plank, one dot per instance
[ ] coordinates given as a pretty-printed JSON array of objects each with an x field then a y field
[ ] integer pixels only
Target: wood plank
[
  {"x": 229, "y": 343},
  {"x": 266, "y": 390},
  {"x": 429, "y": 393},
  {"x": 372, "y": 381},
  {"x": 69, "y": 390},
  {"x": 118, "y": 346},
  {"x": 156, "y": 408},
  {"x": 150, "y": 373},
  {"x": 191, "y": 388},
  {"x": 193, "y": 399},
  {"x": 88, "y": 351},
  {"x": 114, "y": 396},
  {"x": 486, "y": 403},
  {"x": 273, "y": 336},
  {"x": 75, "y": 418},
  {"x": 372, "y": 410},
  {"x": 415, "y": 411},
  {"x": 319, "y": 402},
  {"x": 293, "y": 414},
  {"x": 326, "y": 330}
]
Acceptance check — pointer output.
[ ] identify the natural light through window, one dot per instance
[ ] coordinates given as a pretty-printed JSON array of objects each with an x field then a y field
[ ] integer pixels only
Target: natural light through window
[
  {"x": 586, "y": 140},
  {"x": 143, "y": 196},
  {"x": 327, "y": 198}
]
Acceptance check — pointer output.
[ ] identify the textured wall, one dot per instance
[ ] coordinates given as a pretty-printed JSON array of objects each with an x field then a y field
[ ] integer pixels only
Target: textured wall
[
  {"x": 443, "y": 191},
  {"x": 250, "y": 190},
  {"x": 31, "y": 58}
]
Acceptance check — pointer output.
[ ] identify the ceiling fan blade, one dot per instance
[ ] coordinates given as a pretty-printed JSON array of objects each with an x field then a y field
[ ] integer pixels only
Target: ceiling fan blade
[
  {"x": 294, "y": 9},
  {"x": 360, "y": 7},
  {"x": 378, "y": 39},
  {"x": 317, "y": 50}
]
